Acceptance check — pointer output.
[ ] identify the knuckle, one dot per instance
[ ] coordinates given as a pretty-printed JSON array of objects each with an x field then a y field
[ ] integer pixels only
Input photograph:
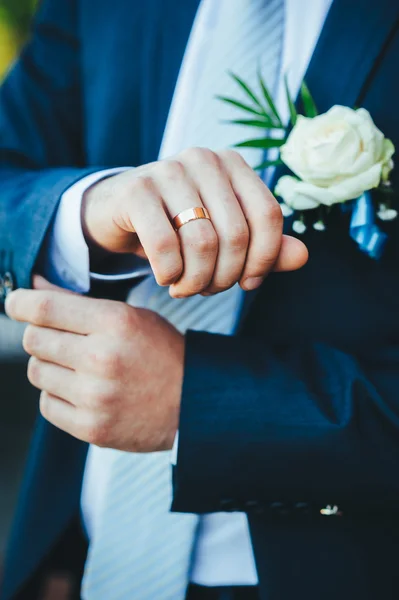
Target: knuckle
[
  {"x": 106, "y": 361},
  {"x": 200, "y": 155},
  {"x": 105, "y": 397},
  {"x": 238, "y": 238},
  {"x": 271, "y": 214},
  {"x": 120, "y": 318},
  {"x": 172, "y": 169},
  {"x": 168, "y": 274},
  {"x": 42, "y": 309},
  {"x": 195, "y": 283},
  {"x": 139, "y": 185},
  {"x": 205, "y": 242},
  {"x": 231, "y": 156},
  {"x": 165, "y": 244},
  {"x": 112, "y": 364},
  {"x": 203, "y": 246}
]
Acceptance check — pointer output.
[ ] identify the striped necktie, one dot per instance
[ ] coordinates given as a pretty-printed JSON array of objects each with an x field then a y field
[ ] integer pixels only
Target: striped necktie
[{"x": 139, "y": 550}]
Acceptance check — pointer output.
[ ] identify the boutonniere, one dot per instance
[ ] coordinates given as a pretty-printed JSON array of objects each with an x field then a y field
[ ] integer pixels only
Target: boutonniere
[{"x": 336, "y": 157}]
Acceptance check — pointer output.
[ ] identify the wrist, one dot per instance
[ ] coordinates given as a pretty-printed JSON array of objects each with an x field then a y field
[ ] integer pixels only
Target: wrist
[
  {"x": 93, "y": 219},
  {"x": 88, "y": 216}
]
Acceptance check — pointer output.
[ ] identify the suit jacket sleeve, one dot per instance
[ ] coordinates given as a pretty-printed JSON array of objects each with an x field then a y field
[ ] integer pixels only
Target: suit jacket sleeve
[
  {"x": 41, "y": 150},
  {"x": 287, "y": 428}
]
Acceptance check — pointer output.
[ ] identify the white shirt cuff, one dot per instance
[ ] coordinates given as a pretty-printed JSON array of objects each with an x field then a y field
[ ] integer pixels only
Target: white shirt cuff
[{"x": 67, "y": 261}]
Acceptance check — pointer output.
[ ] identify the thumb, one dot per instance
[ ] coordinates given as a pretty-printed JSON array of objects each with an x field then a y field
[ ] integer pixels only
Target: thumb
[
  {"x": 40, "y": 283},
  {"x": 293, "y": 255}
]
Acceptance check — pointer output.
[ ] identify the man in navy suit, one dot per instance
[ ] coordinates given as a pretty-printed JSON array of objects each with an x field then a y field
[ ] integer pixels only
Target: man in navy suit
[{"x": 286, "y": 405}]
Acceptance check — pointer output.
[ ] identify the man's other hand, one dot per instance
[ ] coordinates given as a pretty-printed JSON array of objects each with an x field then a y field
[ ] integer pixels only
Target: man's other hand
[{"x": 109, "y": 374}]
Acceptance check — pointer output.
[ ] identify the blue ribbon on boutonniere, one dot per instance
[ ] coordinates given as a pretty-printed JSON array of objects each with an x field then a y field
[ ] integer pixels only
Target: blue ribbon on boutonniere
[{"x": 362, "y": 229}]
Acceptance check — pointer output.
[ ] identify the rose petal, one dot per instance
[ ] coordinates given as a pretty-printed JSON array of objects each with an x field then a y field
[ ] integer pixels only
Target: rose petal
[
  {"x": 353, "y": 187},
  {"x": 290, "y": 189}
]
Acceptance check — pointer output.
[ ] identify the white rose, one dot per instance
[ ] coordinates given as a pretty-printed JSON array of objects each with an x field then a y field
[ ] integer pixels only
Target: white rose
[{"x": 338, "y": 155}]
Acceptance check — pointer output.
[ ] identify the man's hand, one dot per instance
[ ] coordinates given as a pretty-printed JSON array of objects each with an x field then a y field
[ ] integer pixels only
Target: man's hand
[
  {"x": 110, "y": 374},
  {"x": 242, "y": 242}
]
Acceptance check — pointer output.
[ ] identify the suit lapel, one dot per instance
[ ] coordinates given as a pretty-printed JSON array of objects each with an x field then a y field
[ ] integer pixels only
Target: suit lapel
[
  {"x": 168, "y": 44},
  {"x": 132, "y": 58},
  {"x": 349, "y": 49}
]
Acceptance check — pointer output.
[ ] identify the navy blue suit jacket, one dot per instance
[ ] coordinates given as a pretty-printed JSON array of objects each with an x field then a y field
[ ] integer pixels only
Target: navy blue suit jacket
[{"x": 298, "y": 411}]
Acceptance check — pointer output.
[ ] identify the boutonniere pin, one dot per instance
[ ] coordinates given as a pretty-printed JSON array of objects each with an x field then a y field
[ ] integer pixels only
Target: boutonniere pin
[{"x": 336, "y": 157}]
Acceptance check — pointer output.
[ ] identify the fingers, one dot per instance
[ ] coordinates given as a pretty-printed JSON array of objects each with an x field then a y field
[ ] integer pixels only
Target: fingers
[
  {"x": 66, "y": 312},
  {"x": 198, "y": 239},
  {"x": 226, "y": 214},
  {"x": 97, "y": 355},
  {"x": 81, "y": 423},
  {"x": 56, "y": 380},
  {"x": 79, "y": 390},
  {"x": 64, "y": 349},
  {"x": 59, "y": 413},
  {"x": 145, "y": 213},
  {"x": 264, "y": 217},
  {"x": 242, "y": 241},
  {"x": 78, "y": 422}
]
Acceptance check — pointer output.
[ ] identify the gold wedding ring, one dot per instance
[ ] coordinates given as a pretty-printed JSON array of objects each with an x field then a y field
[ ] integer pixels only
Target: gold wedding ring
[{"x": 191, "y": 214}]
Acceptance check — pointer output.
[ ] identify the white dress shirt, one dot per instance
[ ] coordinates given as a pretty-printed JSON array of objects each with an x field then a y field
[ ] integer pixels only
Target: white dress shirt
[{"x": 223, "y": 554}]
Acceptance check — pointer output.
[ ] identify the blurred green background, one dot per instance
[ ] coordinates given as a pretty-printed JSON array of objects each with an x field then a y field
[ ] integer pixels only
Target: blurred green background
[{"x": 15, "y": 17}]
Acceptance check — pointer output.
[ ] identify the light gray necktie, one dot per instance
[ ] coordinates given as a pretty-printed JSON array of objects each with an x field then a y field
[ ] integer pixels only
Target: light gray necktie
[{"x": 141, "y": 551}]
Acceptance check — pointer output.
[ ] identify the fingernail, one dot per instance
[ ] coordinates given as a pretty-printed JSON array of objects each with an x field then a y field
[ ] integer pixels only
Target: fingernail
[{"x": 252, "y": 283}]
